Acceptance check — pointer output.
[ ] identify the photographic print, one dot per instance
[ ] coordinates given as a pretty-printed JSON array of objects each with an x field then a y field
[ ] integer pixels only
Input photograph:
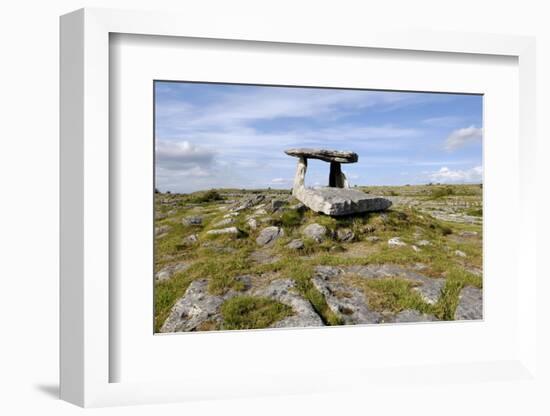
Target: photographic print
[{"x": 293, "y": 207}]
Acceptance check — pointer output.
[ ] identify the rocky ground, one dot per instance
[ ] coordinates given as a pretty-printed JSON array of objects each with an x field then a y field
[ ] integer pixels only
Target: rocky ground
[{"x": 235, "y": 259}]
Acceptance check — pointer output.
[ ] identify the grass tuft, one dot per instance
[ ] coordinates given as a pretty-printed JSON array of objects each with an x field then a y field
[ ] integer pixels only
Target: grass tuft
[{"x": 249, "y": 312}]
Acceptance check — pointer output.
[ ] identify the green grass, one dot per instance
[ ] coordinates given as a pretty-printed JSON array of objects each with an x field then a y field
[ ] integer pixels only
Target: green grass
[
  {"x": 393, "y": 295},
  {"x": 248, "y": 312}
]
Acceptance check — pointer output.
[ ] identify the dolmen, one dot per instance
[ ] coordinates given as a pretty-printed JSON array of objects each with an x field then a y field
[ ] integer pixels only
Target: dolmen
[{"x": 337, "y": 198}]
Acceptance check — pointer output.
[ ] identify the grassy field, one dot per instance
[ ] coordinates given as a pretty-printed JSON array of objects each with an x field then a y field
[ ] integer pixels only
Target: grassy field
[{"x": 439, "y": 228}]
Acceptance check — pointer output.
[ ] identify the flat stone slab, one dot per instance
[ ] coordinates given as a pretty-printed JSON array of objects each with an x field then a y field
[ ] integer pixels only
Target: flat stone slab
[
  {"x": 325, "y": 155},
  {"x": 341, "y": 201}
]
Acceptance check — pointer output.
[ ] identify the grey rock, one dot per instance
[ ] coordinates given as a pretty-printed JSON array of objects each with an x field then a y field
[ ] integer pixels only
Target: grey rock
[
  {"x": 194, "y": 308},
  {"x": 373, "y": 239},
  {"x": 470, "y": 304},
  {"x": 169, "y": 271},
  {"x": 250, "y": 202},
  {"x": 268, "y": 235},
  {"x": 228, "y": 230},
  {"x": 260, "y": 211},
  {"x": 396, "y": 242},
  {"x": 231, "y": 214},
  {"x": 325, "y": 155},
  {"x": 195, "y": 220},
  {"x": 345, "y": 235},
  {"x": 423, "y": 243},
  {"x": 468, "y": 233},
  {"x": 298, "y": 207},
  {"x": 190, "y": 240},
  {"x": 345, "y": 301},
  {"x": 224, "y": 222},
  {"x": 252, "y": 223},
  {"x": 415, "y": 248},
  {"x": 277, "y": 204},
  {"x": 340, "y": 201},
  {"x": 315, "y": 231},
  {"x": 161, "y": 230},
  {"x": 263, "y": 256},
  {"x": 460, "y": 253},
  {"x": 283, "y": 291},
  {"x": 296, "y": 244}
]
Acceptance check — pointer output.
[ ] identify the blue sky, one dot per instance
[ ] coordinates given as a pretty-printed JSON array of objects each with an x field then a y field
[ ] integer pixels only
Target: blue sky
[{"x": 234, "y": 136}]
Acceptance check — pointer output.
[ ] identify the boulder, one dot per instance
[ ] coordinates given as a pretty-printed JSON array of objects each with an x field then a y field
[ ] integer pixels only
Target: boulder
[
  {"x": 195, "y": 220},
  {"x": 296, "y": 244},
  {"x": 277, "y": 204},
  {"x": 345, "y": 235},
  {"x": 169, "y": 271},
  {"x": 315, "y": 231},
  {"x": 340, "y": 201},
  {"x": 252, "y": 223},
  {"x": 190, "y": 240},
  {"x": 396, "y": 242},
  {"x": 268, "y": 235},
  {"x": 228, "y": 230},
  {"x": 224, "y": 222}
]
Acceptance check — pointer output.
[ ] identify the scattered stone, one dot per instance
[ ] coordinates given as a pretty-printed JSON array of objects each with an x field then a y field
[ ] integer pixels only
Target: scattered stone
[
  {"x": 345, "y": 235},
  {"x": 167, "y": 272},
  {"x": 298, "y": 207},
  {"x": 296, "y": 244},
  {"x": 460, "y": 253},
  {"x": 277, "y": 204},
  {"x": 250, "y": 202},
  {"x": 423, "y": 243},
  {"x": 224, "y": 222},
  {"x": 373, "y": 239},
  {"x": 345, "y": 301},
  {"x": 282, "y": 290},
  {"x": 396, "y": 242},
  {"x": 228, "y": 230},
  {"x": 196, "y": 220},
  {"x": 415, "y": 248},
  {"x": 315, "y": 231},
  {"x": 470, "y": 304},
  {"x": 260, "y": 211},
  {"x": 231, "y": 214},
  {"x": 468, "y": 233},
  {"x": 194, "y": 308},
  {"x": 252, "y": 223},
  {"x": 268, "y": 235},
  {"x": 161, "y": 230},
  {"x": 190, "y": 240},
  {"x": 263, "y": 256}
]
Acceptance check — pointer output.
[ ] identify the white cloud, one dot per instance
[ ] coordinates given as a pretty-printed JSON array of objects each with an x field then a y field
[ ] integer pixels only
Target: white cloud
[
  {"x": 461, "y": 137},
  {"x": 446, "y": 175},
  {"x": 182, "y": 155},
  {"x": 281, "y": 181}
]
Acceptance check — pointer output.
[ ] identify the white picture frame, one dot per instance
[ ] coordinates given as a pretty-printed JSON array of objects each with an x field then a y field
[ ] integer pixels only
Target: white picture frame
[{"x": 86, "y": 353}]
